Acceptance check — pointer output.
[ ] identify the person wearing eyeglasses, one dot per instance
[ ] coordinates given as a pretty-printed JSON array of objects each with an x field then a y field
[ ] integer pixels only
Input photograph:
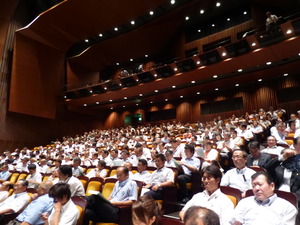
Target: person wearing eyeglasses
[
  {"x": 212, "y": 197},
  {"x": 239, "y": 177},
  {"x": 4, "y": 188}
]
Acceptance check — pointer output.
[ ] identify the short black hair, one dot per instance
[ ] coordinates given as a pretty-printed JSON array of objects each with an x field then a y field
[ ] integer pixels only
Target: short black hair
[
  {"x": 265, "y": 174},
  {"x": 195, "y": 214},
  {"x": 31, "y": 167},
  {"x": 143, "y": 161},
  {"x": 253, "y": 144},
  {"x": 24, "y": 182},
  {"x": 190, "y": 147},
  {"x": 102, "y": 163},
  {"x": 66, "y": 170},
  {"x": 214, "y": 171},
  {"x": 161, "y": 156},
  {"x": 60, "y": 190}
]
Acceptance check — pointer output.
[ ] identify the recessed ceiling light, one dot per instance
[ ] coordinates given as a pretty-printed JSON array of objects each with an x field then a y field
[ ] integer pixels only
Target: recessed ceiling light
[
  {"x": 224, "y": 53},
  {"x": 215, "y": 76},
  {"x": 151, "y": 13},
  {"x": 187, "y": 18},
  {"x": 173, "y": 86},
  {"x": 253, "y": 44},
  {"x": 175, "y": 69},
  {"x": 299, "y": 54},
  {"x": 259, "y": 80},
  {"x": 100, "y": 35},
  {"x": 116, "y": 29},
  {"x": 286, "y": 74},
  {"x": 198, "y": 93},
  {"x": 91, "y": 91},
  {"x": 125, "y": 97},
  {"x": 228, "y": 19},
  {"x": 245, "y": 13},
  {"x": 65, "y": 96},
  {"x": 198, "y": 62},
  {"x": 172, "y": 2},
  {"x": 137, "y": 80},
  {"x": 166, "y": 99},
  {"x": 84, "y": 104},
  {"x": 97, "y": 103},
  {"x": 268, "y": 63},
  {"x": 117, "y": 64},
  {"x": 237, "y": 85},
  {"x": 146, "y": 56},
  {"x": 155, "y": 75},
  {"x": 193, "y": 81},
  {"x": 132, "y": 22},
  {"x": 156, "y": 91},
  {"x": 240, "y": 70},
  {"x": 213, "y": 25},
  {"x": 86, "y": 40},
  {"x": 105, "y": 88},
  {"x": 131, "y": 60},
  {"x": 141, "y": 95},
  {"x": 151, "y": 102},
  {"x": 181, "y": 96},
  {"x": 199, "y": 31},
  {"x": 201, "y": 11},
  {"x": 111, "y": 108},
  {"x": 110, "y": 100},
  {"x": 218, "y": 4},
  {"x": 123, "y": 106},
  {"x": 120, "y": 85},
  {"x": 289, "y": 31},
  {"x": 137, "y": 104},
  {"x": 216, "y": 89}
]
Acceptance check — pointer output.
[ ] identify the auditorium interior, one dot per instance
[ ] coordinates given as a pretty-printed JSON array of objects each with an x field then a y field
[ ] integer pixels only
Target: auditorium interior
[{"x": 72, "y": 66}]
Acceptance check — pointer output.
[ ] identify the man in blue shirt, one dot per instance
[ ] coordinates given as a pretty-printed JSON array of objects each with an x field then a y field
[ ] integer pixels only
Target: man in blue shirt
[
  {"x": 102, "y": 210},
  {"x": 42, "y": 203},
  {"x": 5, "y": 174}
]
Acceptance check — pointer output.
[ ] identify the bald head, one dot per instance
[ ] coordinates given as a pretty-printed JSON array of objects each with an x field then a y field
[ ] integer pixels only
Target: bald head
[{"x": 197, "y": 215}]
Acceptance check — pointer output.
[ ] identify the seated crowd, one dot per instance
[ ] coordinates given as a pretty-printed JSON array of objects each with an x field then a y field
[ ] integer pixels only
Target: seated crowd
[{"x": 258, "y": 151}]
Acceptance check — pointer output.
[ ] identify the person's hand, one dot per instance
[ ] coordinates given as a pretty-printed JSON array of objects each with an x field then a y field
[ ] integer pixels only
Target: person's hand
[
  {"x": 288, "y": 153},
  {"x": 155, "y": 187},
  {"x": 44, "y": 216},
  {"x": 57, "y": 206},
  {"x": 34, "y": 196}
]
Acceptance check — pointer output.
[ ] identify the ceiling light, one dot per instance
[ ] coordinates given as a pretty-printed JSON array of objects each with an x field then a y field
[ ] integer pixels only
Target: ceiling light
[
  {"x": 224, "y": 54},
  {"x": 156, "y": 91},
  {"x": 245, "y": 13},
  {"x": 299, "y": 54},
  {"x": 100, "y": 35},
  {"x": 198, "y": 62},
  {"x": 218, "y": 4},
  {"x": 125, "y": 97},
  {"x": 228, "y": 19},
  {"x": 132, "y": 22},
  {"x": 117, "y": 64},
  {"x": 289, "y": 31},
  {"x": 213, "y": 25},
  {"x": 141, "y": 95},
  {"x": 173, "y": 86},
  {"x": 198, "y": 93},
  {"x": 155, "y": 75},
  {"x": 187, "y": 18},
  {"x": 105, "y": 88},
  {"x": 137, "y": 80},
  {"x": 193, "y": 81},
  {"x": 268, "y": 63},
  {"x": 97, "y": 103},
  {"x": 172, "y": 2},
  {"x": 84, "y": 104},
  {"x": 199, "y": 31},
  {"x": 86, "y": 40},
  {"x": 146, "y": 56},
  {"x": 201, "y": 11},
  {"x": 137, "y": 104},
  {"x": 259, "y": 80},
  {"x": 151, "y": 13},
  {"x": 111, "y": 108},
  {"x": 65, "y": 96},
  {"x": 110, "y": 100},
  {"x": 215, "y": 76},
  {"x": 175, "y": 69},
  {"x": 151, "y": 102},
  {"x": 216, "y": 89},
  {"x": 120, "y": 85},
  {"x": 116, "y": 29},
  {"x": 286, "y": 74},
  {"x": 237, "y": 85},
  {"x": 181, "y": 96},
  {"x": 91, "y": 91},
  {"x": 123, "y": 106},
  {"x": 131, "y": 60},
  {"x": 240, "y": 70},
  {"x": 166, "y": 99},
  {"x": 253, "y": 44}
]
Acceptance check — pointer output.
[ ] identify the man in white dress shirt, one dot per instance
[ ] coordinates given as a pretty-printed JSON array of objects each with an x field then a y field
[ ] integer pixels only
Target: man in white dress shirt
[
  {"x": 143, "y": 174},
  {"x": 264, "y": 207},
  {"x": 272, "y": 148}
]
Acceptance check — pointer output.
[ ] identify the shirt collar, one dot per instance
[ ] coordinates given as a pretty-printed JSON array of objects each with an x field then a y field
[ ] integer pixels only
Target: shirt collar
[
  {"x": 241, "y": 171},
  {"x": 267, "y": 201}
]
